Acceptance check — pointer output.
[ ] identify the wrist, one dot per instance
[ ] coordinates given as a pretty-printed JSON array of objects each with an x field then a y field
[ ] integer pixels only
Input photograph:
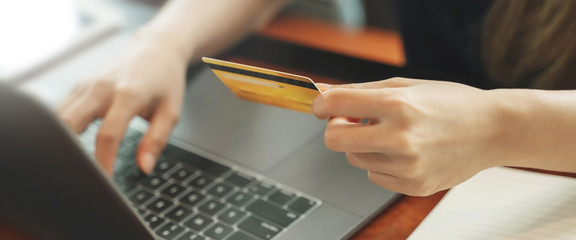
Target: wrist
[
  {"x": 513, "y": 114},
  {"x": 167, "y": 41}
]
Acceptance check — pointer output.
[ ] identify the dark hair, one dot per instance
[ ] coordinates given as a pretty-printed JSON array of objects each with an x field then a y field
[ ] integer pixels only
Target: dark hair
[{"x": 531, "y": 43}]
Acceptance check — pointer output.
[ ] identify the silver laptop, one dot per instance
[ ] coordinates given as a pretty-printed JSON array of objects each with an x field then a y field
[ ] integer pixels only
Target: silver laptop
[{"x": 232, "y": 170}]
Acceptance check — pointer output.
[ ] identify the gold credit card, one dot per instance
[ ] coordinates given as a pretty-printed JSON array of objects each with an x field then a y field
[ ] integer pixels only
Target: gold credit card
[{"x": 266, "y": 86}]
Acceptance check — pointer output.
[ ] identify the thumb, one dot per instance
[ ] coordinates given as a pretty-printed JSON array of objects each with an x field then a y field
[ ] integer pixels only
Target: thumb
[
  {"x": 323, "y": 86},
  {"x": 395, "y": 82},
  {"x": 154, "y": 141}
]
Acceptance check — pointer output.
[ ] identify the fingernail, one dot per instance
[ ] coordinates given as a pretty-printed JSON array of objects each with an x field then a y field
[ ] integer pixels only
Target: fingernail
[
  {"x": 323, "y": 86},
  {"x": 148, "y": 163}
]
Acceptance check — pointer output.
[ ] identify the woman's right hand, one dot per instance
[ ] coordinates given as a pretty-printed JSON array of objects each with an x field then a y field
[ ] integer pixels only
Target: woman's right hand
[{"x": 147, "y": 80}]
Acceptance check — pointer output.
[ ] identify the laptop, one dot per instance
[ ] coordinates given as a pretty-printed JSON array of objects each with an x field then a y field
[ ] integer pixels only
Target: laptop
[{"x": 232, "y": 170}]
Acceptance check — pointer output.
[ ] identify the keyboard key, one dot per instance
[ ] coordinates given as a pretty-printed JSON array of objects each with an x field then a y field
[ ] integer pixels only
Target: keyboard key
[
  {"x": 198, "y": 222},
  {"x": 182, "y": 174},
  {"x": 191, "y": 236},
  {"x": 179, "y": 213},
  {"x": 159, "y": 205},
  {"x": 153, "y": 221},
  {"x": 218, "y": 231},
  {"x": 163, "y": 165},
  {"x": 220, "y": 190},
  {"x": 201, "y": 181},
  {"x": 281, "y": 197},
  {"x": 173, "y": 190},
  {"x": 231, "y": 215},
  {"x": 127, "y": 150},
  {"x": 240, "y": 236},
  {"x": 239, "y": 199},
  {"x": 141, "y": 196},
  {"x": 124, "y": 186},
  {"x": 192, "y": 198},
  {"x": 272, "y": 212},
  {"x": 211, "y": 207},
  {"x": 196, "y": 161},
  {"x": 302, "y": 205},
  {"x": 153, "y": 182},
  {"x": 239, "y": 179},
  {"x": 169, "y": 231},
  {"x": 259, "y": 227},
  {"x": 141, "y": 211},
  {"x": 205, "y": 165},
  {"x": 261, "y": 188}
]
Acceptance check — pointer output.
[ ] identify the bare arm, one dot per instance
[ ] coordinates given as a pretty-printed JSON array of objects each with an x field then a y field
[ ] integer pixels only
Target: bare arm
[
  {"x": 541, "y": 129},
  {"x": 427, "y": 136},
  {"x": 204, "y": 27}
]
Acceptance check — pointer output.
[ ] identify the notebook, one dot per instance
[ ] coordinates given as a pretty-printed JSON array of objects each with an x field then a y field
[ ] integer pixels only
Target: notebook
[{"x": 504, "y": 203}]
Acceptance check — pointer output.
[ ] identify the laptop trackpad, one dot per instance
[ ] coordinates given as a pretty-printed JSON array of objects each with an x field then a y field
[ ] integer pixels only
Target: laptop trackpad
[
  {"x": 253, "y": 135},
  {"x": 327, "y": 175}
]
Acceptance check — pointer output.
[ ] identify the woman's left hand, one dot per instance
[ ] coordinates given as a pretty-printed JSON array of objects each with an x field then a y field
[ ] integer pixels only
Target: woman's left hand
[{"x": 418, "y": 137}]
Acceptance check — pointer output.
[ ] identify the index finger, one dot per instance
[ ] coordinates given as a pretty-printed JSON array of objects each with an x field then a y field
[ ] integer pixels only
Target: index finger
[
  {"x": 350, "y": 102},
  {"x": 112, "y": 131}
]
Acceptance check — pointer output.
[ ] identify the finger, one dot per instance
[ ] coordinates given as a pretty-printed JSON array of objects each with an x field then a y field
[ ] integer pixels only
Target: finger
[
  {"x": 354, "y": 120},
  {"x": 78, "y": 114},
  {"x": 321, "y": 105},
  {"x": 323, "y": 86},
  {"x": 154, "y": 141},
  {"x": 343, "y": 135},
  {"x": 352, "y": 102},
  {"x": 388, "y": 83},
  {"x": 78, "y": 91},
  {"x": 66, "y": 108},
  {"x": 370, "y": 161},
  {"x": 379, "y": 162},
  {"x": 403, "y": 185},
  {"x": 387, "y": 181},
  {"x": 86, "y": 103},
  {"x": 113, "y": 129},
  {"x": 351, "y": 120}
]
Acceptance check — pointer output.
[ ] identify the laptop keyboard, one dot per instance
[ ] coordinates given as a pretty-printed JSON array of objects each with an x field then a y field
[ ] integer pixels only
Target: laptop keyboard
[{"x": 191, "y": 197}]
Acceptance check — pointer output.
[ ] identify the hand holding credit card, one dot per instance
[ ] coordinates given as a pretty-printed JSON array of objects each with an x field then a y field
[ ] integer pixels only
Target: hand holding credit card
[{"x": 266, "y": 86}]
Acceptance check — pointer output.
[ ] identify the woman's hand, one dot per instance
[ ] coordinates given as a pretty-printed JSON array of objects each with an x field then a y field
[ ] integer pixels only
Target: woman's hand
[
  {"x": 418, "y": 137},
  {"x": 148, "y": 80}
]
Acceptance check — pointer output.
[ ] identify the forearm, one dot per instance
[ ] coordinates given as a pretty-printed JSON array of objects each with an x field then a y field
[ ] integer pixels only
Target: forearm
[
  {"x": 197, "y": 28},
  {"x": 539, "y": 128}
]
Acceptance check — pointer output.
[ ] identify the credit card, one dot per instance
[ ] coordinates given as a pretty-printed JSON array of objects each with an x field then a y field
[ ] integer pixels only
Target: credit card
[{"x": 266, "y": 86}]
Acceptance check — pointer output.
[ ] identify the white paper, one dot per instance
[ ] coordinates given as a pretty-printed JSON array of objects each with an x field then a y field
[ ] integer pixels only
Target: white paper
[{"x": 504, "y": 203}]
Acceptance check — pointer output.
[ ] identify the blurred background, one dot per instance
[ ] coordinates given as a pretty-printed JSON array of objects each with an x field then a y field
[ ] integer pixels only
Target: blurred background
[
  {"x": 37, "y": 34},
  {"x": 47, "y": 46}
]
